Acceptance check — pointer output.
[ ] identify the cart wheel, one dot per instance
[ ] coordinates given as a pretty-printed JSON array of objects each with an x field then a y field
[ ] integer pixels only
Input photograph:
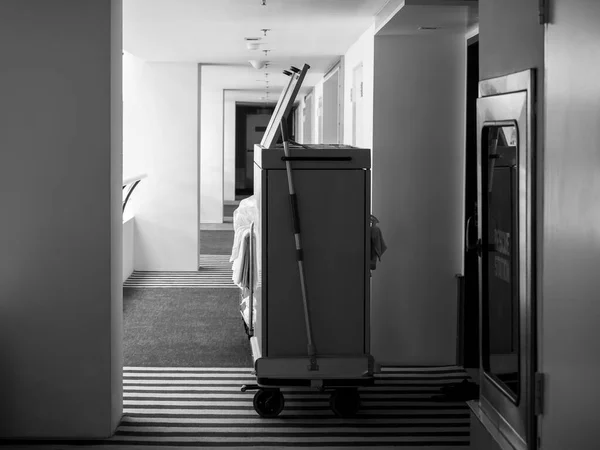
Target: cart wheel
[
  {"x": 268, "y": 402},
  {"x": 345, "y": 402}
]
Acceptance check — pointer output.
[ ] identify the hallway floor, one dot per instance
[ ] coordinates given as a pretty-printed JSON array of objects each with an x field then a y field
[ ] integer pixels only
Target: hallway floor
[
  {"x": 204, "y": 408},
  {"x": 172, "y": 406}
]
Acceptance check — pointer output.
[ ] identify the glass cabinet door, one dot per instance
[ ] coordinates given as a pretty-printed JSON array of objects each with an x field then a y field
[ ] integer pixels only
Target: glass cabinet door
[
  {"x": 506, "y": 248},
  {"x": 500, "y": 258}
]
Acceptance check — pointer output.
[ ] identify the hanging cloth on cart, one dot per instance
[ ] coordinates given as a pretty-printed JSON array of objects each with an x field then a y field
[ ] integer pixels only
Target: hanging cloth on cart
[
  {"x": 243, "y": 217},
  {"x": 244, "y": 269},
  {"x": 378, "y": 246}
]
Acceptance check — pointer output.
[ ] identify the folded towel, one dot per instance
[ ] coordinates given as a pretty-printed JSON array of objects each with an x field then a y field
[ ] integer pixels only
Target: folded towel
[{"x": 243, "y": 268}]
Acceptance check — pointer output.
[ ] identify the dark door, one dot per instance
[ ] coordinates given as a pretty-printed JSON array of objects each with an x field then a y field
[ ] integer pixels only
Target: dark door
[{"x": 469, "y": 345}]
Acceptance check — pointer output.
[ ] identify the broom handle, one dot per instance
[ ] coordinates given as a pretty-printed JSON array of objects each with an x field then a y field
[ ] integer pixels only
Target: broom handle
[{"x": 312, "y": 351}]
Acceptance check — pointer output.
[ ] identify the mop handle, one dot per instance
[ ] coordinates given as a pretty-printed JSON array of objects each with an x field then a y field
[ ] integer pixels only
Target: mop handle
[{"x": 312, "y": 351}]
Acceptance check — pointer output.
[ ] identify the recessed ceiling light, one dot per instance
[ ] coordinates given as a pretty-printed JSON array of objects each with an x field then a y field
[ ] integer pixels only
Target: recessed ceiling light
[{"x": 429, "y": 28}]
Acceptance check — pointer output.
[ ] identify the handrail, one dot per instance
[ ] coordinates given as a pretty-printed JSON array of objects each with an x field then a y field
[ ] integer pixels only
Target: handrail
[
  {"x": 131, "y": 179},
  {"x": 132, "y": 182}
]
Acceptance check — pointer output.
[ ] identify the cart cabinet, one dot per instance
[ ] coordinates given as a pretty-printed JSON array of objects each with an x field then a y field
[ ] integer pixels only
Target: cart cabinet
[
  {"x": 313, "y": 240},
  {"x": 332, "y": 185}
]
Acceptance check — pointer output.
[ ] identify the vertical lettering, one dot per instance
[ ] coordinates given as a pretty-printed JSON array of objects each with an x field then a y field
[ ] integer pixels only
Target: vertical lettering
[{"x": 502, "y": 242}]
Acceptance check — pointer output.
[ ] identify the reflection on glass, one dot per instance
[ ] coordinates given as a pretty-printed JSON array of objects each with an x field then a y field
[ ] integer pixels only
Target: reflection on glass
[{"x": 501, "y": 296}]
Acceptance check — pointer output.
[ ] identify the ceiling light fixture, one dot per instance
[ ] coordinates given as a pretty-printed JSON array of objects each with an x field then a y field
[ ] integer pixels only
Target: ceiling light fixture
[
  {"x": 252, "y": 43},
  {"x": 264, "y": 30},
  {"x": 428, "y": 28},
  {"x": 257, "y": 64},
  {"x": 264, "y": 2}
]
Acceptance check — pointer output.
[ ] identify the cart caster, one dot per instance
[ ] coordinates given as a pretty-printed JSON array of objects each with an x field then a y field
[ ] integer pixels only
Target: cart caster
[
  {"x": 345, "y": 402},
  {"x": 268, "y": 402}
]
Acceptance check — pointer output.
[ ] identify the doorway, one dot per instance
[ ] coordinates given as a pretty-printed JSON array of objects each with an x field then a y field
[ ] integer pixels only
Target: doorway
[{"x": 251, "y": 123}]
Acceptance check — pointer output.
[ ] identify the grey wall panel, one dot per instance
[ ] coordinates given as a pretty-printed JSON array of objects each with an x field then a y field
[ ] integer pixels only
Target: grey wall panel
[
  {"x": 418, "y": 165},
  {"x": 60, "y": 226},
  {"x": 332, "y": 218},
  {"x": 570, "y": 336},
  {"x": 510, "y": 37}
]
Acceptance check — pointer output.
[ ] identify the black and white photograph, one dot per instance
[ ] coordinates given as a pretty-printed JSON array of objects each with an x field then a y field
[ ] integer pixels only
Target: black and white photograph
[{"x": 300, "y": 224}]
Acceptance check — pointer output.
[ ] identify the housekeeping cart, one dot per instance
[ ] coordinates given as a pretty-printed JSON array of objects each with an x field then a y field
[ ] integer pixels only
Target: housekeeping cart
[{"x": 313, "y": 253}]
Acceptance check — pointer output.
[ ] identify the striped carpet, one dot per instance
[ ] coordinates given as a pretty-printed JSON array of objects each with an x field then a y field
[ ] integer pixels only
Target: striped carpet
[
  {"x": 203, "y": 407},
  {"x": 214, "y": 272}
]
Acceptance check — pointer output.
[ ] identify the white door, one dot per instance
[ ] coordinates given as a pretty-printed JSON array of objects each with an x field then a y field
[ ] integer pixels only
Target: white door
[
  {"x": 307, "y": 131},
  {"x": 330, "y": 116},
  {"x": 357, "y": 95}
]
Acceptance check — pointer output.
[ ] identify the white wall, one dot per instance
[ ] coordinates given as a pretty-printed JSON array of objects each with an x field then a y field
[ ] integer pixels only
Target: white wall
[
  {"x": 128, "y": 246},
  {"x": 362, "y": 51},
  {"x": 418, "y": 163},
  {"x": 211, "y": 146},
  {"x": 60, "y": 233},
  {"x": 299, "y": 118},
  {"x": 136, "y": 138},
  {"x": 161, "y": 139},
  {"x": 570, "y": 311},
  {"x": 229, "y": 147}
]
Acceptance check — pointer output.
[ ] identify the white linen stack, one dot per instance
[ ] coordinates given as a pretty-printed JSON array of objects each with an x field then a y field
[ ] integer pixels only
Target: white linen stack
[{"x": 244, "y": 269}]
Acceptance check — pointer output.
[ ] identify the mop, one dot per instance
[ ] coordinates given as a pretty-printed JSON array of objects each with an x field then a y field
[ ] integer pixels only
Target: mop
[{"x": 311, "y": 349}]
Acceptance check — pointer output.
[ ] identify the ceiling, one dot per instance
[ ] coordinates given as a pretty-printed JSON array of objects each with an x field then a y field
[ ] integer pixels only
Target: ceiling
[
  {"x": 213, "y": 32},
  {"x": 422, "y": 17}
]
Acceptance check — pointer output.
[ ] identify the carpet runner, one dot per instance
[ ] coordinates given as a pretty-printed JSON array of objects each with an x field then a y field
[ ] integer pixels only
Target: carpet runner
[
  {"x": 214, "y": 272},
  {"x": 203, "y": 407}
]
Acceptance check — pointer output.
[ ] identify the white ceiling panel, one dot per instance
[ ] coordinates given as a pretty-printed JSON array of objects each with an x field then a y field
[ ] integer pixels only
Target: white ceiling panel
[
  {"x": 315, "y": 32},
  {"x": 413, "y": 17}
]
